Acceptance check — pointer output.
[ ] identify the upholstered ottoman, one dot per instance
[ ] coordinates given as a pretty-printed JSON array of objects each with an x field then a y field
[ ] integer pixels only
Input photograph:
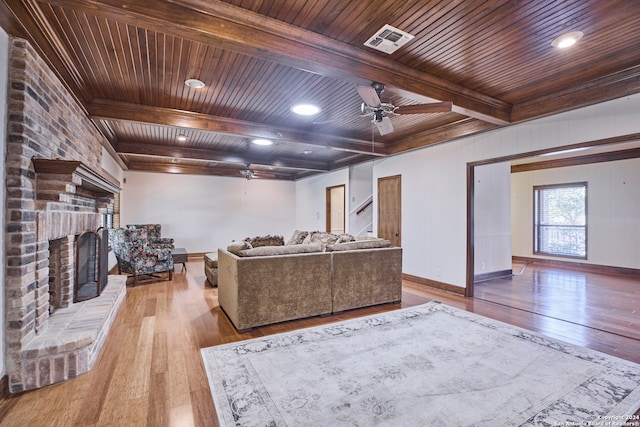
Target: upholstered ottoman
[{"x": 211, "y": 268}]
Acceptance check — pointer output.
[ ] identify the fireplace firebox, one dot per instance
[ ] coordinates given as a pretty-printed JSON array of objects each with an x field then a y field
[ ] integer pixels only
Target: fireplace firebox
[{"x": 91, "y": 266}]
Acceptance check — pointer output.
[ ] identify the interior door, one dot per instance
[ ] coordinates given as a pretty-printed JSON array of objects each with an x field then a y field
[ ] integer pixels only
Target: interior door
[
  {"x": 335, "y": 209},
  {"x": 390, "y": 209}
]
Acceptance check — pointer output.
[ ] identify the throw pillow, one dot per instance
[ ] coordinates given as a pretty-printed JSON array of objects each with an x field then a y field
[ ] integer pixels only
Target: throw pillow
[
  {"x": 344, "y": 238},
  {"x": 307, "y": 239},
  {"x": 324, "y": 238},
  {"x": 235, "y": 247},
  {"x": 298, "y": 237}
]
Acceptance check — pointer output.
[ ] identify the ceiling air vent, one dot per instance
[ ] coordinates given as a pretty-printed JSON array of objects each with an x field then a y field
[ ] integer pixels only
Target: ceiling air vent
[{"x": 388, "y": 39}]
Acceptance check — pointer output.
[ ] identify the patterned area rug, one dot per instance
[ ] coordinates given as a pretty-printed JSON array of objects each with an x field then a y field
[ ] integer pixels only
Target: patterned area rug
[{"x": 430, "y": 365}]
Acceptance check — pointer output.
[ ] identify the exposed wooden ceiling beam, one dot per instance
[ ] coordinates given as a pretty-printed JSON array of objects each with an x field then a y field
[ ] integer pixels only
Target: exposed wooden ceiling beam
[
  {"x": 124, "y": 147},
  {"x": 611, "y": 86},
  {"x": 239, "y": 30},
  {"x": 458, "y": 129},
  {"x": 116, "y": 110},
  {"x": 201, "y": 170}
]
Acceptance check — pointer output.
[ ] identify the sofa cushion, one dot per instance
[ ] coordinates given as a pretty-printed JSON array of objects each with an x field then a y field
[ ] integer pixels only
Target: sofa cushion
[
  {"x": 265, "y": 241},
  {"x": 297, "y": 238},
  {"x": 211, "y": 259},
  {"x": 343, "y": 238},
  {"x": 360, "y": 244},
  {"x": 235, "y": 247},
  {"x": 281, "y": 250}
]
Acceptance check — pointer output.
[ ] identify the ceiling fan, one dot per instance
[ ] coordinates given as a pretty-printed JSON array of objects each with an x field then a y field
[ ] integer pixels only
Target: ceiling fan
[
  {"x": 380, "y": 111},
  {"x": 247, "y": 173}
]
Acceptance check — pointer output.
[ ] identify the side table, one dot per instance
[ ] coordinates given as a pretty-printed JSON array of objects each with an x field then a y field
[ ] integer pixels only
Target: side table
[{"x": 180, "y": 256}]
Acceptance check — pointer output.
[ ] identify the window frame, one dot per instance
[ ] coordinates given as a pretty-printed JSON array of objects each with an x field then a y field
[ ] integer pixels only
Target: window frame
[
  {"x": 536, "y": 219},
  {"x": 111, "y": 217}
]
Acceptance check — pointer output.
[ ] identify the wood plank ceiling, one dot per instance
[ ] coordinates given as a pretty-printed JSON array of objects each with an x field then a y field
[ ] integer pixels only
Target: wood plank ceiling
[{"x": 126, "y": 62}]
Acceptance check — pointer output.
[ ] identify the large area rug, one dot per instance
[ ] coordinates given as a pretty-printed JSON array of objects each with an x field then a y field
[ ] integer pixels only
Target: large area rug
[{"x": 430, "y": 365}]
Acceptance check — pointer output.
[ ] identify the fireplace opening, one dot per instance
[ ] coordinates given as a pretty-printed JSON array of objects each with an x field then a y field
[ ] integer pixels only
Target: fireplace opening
[{"x": 91, "y": 264}]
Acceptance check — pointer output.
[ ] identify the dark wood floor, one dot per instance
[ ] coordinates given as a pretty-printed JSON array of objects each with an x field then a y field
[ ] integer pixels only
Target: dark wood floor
[
  {"x": 150, "y": 371},
  {"x": 606, "y": 302}
]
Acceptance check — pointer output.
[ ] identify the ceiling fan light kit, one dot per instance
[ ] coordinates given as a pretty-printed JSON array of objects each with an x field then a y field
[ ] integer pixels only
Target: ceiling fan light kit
[
  {"x": 381, "y": 111},
  {"x": 247, "y": 173}
]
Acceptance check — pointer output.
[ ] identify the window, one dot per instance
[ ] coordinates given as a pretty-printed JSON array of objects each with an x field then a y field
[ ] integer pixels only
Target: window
[
  {"x": 560, "y": 220},
  {"x": 111, "y": 218}
]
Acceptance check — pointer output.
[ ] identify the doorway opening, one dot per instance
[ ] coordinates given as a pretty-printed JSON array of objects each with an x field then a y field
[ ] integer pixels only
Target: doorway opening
[{"x": 335, "y": 209}]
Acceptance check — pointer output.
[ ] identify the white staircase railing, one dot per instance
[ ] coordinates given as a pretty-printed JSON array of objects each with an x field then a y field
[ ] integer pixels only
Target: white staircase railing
[{"x": 361, "y": 217}]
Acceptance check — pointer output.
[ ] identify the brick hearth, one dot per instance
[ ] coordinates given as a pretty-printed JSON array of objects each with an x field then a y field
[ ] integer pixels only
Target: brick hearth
[
  {"x": 73, "y": 340},
  {"x": 55, "y": 198}
]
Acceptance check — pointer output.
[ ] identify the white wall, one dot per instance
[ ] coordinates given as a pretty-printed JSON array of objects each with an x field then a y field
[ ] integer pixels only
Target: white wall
[
  {"x": 360, "y": 189},
  {"x": 4, "y": 81},
  {"x": 310, "y": 201},
  {"x": 492, "y": 218},
  {"x": 613, "y": 210},
  {"x": 433, "y": 210},
  {"x": 110, "y": 165},
  {"x": 204, "y": 213},
  {"x": 434, "y": 180}
]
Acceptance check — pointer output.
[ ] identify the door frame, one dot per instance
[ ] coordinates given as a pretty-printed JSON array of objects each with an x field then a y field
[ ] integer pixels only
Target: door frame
[
  {"x": 329, "y": 207},
  {"x": 469, "y": 289},
  {"x": 399, "y": 177}
]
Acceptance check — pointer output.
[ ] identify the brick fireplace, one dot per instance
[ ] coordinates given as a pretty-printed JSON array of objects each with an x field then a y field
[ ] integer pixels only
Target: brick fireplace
[{"x": 56, "y": 188}]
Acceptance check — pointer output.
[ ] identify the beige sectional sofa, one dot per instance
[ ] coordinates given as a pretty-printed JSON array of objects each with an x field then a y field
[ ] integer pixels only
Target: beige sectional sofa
[{"x": 266, "y": 285}]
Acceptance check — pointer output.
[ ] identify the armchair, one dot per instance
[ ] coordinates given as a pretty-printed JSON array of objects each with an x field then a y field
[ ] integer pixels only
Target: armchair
[
  {"x": 155, "y": 235},
  {"x": 137, "y": 257}
]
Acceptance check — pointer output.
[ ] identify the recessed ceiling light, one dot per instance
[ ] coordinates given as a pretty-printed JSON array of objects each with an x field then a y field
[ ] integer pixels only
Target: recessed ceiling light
[
  {"x": 194, "y": 83},
  {"x": 262, "y": 141},
  {"x": 182, "y": 137},
  {"x": 305, "y": 109},
  {"x": 567, "y": 39}
]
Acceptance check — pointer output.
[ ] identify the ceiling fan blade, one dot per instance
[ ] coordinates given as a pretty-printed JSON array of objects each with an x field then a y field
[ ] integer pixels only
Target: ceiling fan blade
[
  {"x": 384, "y": 126},
  {"x": 369, "y": 95},
  {"x": 433, "y": 107}
]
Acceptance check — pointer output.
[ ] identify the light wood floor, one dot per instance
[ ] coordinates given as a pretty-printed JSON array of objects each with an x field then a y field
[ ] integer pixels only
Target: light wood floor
[{"x": 150, "y": 372}]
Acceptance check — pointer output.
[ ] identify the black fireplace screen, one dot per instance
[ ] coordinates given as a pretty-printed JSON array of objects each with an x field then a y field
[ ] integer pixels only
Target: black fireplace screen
[{"x": 91, "y": 264}]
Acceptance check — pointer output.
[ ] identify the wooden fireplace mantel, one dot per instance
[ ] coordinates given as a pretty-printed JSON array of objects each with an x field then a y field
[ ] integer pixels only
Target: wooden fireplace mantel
[{"x": 88, "y": 179}]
